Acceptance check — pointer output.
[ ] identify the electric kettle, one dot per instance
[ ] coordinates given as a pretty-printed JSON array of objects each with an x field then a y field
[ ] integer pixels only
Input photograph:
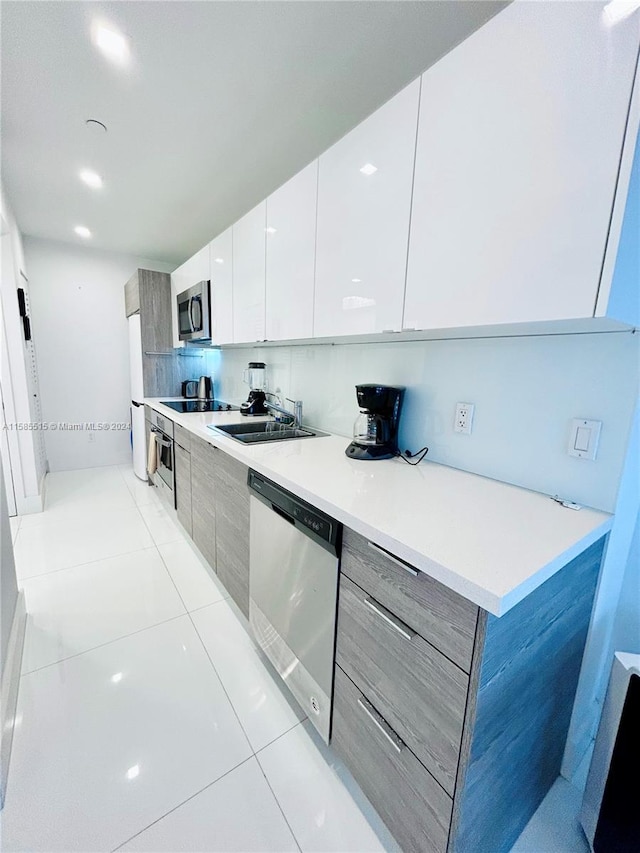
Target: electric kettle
[{"x": 205, "y": 388}]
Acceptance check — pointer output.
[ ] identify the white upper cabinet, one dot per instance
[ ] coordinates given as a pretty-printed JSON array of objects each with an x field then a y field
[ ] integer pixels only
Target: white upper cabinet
[
  {"x": 521, "y": 128},
  {"x": 221, "y": 256},
  {"x": 249, "y": 276},
  {"x": 191, "y": 272},
  {"x": 291, "y": 253},
  {"x": 364, "y": 202}
]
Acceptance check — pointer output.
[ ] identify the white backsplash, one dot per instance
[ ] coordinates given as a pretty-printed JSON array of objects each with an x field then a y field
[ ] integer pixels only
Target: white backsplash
[{"x": 525, "y": 391}]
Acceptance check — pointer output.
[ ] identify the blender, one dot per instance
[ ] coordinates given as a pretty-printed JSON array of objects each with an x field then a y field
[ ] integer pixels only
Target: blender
[
  {"x": 375, "y": 431},
  {"x": 254, "y": 376}
]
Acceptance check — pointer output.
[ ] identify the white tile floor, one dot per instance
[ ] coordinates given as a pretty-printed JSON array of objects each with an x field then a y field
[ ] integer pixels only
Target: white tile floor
[{"x": 147, "y": 719}]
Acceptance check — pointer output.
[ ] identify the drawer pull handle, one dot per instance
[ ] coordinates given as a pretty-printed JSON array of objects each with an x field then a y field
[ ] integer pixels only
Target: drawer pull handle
[
  {"x": 380, "y": 724},
  {"x": 399, "y": 626},
  {"x": 393, "y": 559}
]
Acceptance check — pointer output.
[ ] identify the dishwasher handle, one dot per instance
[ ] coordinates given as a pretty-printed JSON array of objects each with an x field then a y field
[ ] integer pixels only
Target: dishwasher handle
[{"x": 283, "y": 514}]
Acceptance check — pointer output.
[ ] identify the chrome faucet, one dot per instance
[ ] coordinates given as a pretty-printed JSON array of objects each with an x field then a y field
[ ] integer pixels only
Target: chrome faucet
[{"x": 296, "y": 414}]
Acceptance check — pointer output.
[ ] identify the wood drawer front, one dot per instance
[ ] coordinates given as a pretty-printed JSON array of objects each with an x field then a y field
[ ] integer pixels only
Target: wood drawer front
[
  {"x": 419, "y": 691},
  {"x": 203, "y": 513},
  {"x": 183, "y": 487},
  {"x": 232, "y": 529},
  {"x": 441, "y": 616},
  {"x": 412, "y": 804},
  {"x": 182, "y": 437}
]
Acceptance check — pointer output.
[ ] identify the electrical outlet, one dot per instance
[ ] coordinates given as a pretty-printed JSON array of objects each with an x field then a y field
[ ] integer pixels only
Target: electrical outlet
[{"x": 464, "y": 418}]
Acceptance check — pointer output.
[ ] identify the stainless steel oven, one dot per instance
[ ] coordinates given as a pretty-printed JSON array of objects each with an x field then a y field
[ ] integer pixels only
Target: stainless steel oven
[
  {"x": 164, "y": 477},
  {"x": 194, "y": 313}
]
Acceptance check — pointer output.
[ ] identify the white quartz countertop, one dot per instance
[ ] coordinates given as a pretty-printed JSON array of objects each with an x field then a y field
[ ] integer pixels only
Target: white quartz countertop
[{"x": 492, "y": 542}]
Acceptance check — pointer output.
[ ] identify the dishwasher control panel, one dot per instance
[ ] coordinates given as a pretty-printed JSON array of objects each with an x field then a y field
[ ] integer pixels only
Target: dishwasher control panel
[{"x": 322, "y": 527}]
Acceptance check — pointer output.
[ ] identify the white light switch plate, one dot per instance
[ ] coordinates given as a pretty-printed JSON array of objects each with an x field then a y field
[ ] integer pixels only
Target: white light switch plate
[{"x": 583, "y": 438}]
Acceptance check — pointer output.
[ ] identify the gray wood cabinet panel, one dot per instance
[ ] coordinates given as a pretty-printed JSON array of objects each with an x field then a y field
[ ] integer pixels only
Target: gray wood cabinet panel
[
  {"x": 203, "y": 513},
  {"x": 440, "y": 615},
  {"x": 418, "y": 690},
  {"x": 529, "y": 669},
  {"x": 183, "y": 487},
  {"x": 132, "y": 295},
  {"x": 149, "y": 292},
  {"x": 182, "y": 437},
  {"x": 232, "y": 529},
  {"x": 411, "y": 803}
]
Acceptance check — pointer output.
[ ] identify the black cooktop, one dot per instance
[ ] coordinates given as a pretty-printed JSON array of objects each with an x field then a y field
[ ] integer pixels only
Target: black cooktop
[{"x": 187, "y": 406}]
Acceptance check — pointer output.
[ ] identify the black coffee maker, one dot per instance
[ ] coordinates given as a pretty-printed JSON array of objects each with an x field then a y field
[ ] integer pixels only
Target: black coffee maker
[{"x": 375, "y": 432}]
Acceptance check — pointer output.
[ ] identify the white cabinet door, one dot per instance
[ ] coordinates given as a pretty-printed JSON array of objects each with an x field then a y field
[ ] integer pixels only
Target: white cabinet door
[
  {"x": 520, "y": 133},
  {"x": 221, "y": 254},
  {"x": 191, "y": 272},
  {"x": 291, "y": 253},
  {"x": 249, "y": 275},
  {"x": 364, "y": 201}
]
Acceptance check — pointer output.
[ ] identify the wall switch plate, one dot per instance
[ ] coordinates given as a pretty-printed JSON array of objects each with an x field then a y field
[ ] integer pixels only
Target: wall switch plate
[
  {"x": 583, "y": 438},
  {"x": 464, "y": 418}
]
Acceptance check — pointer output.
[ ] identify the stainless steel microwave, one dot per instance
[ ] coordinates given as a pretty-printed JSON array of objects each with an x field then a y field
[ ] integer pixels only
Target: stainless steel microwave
[{"x": 194, "y": 313}]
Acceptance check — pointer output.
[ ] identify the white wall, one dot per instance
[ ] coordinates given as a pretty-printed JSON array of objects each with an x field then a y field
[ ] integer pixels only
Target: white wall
[
  {"x": 79, "y": 322},
  {"x": 525, "y": 390},
  {"x": 23, "y": 456}
]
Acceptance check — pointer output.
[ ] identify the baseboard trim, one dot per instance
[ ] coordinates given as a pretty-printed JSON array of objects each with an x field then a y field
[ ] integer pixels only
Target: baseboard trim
[
  {"x": 31, "y": 504},
  {"x": 10, "y": 684}
]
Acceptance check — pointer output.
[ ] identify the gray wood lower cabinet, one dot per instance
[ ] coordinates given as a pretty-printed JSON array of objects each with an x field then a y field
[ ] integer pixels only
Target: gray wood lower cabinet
[
  {"x": 412, "y": 804},
  {"x": 203, "y": 487},
  {"x": 232, "y": 529},
  {"x": 418, "y": 690},
  {"x": 492, "y": 737},
  {"x": 182, "y": 465},
  {"x": 219, "y": 512},
  {"x": 431, "y": 609}
]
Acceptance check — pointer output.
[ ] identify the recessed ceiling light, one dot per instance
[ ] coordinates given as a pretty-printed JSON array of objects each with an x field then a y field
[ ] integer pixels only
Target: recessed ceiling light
[
  {"x": 368, "y": 169},
  {"x": 356, "y": 280},
  {"x": 111, "y": 43},
  {"x": 219, "y": 260},
  {"x": 133, "y": 772},
  {"x": 270, "y": 229},
  {"x": 82, "y": 231},
  {"x": 92, "y": 179}
]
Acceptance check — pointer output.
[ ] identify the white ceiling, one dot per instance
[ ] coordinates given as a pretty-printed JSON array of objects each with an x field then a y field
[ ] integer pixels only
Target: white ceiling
[{"x": 222, "y": 103}]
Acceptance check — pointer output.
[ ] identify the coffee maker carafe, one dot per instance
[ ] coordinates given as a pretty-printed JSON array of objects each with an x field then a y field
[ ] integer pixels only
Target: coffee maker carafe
[
  {"x": 375, "y": 431},
  {"x": 254, "y": 377}
]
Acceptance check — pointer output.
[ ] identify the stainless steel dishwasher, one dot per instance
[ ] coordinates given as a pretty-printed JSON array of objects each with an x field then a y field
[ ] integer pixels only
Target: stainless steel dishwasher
[{"x": 293, "y": 590}]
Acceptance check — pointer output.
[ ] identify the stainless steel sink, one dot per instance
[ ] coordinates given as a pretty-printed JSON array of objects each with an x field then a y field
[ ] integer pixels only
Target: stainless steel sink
[{"x": 252, "y": 432}]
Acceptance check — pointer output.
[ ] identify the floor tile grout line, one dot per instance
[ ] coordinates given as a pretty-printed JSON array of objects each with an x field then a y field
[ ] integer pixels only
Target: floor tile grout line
[
  {"x": 233, "y": 707},
  {"x": 266, "y": 778},
  {"x": 290, "y": 729},
  {"x": 213, "y": 666},
  {"x": 43, "y": 522},
  {"x": 184, "y": 802},
  {"x": 210, "y": 604},
  {"x": 102, "y": 645},
  {"x": 87, "y": 563}
]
